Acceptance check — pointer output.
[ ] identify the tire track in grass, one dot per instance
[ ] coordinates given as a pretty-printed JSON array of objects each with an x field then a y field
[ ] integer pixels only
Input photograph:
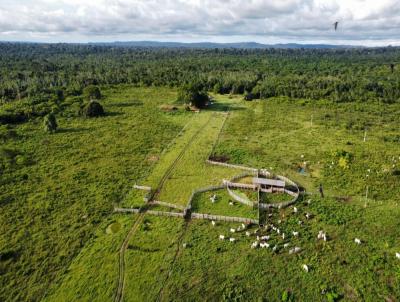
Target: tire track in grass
[
  {"x": 121, "y": 279},
  {"x": 178, "y": 252},
  {"x": 179, "y": 157}
]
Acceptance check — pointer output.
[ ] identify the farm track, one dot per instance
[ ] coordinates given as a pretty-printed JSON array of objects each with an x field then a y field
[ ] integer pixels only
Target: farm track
[
  {"x": 178, "y": 158},
  {"x": 121, "y": 280},
  {"x": 176, "y": 256},
  {"x": 119, "y": 296}
]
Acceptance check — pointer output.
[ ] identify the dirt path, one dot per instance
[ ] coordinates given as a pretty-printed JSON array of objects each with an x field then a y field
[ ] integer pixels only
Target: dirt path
[
  {"x": 121, "y": 279},
  {"x": 119, "y": 296},
  {"x": 180, "y": 155}
]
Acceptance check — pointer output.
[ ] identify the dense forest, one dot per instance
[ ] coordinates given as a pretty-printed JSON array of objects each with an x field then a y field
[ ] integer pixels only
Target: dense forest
[{"x": 42, "y": 75}]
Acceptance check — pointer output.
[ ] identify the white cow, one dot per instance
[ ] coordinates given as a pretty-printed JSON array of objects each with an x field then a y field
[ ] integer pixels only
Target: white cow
[
  {"x": 232, "y": 239},
  {"x": 358, "y": 241},
  {"x": 305, "y": 267},
  {"x": 232, "y": 230},
  {"x": 254, "y": 244},
  {"x": 243, "y": 226},
  {"x": 283, "y": 236},
  {"x": 275, "y": 248},
  {"x": 264, "y": 237},
  {"x": 213, "y": 222},
  {"x": 221, "y": 237},
  {"x": 294, "y": 250},
  {"x": 308, "y": 215},
  {"x": 398, "y": 255},
  {"x": 295, "y": 234},
  {"x": 264, "y": 245},
  {"x": 286, "y": 245},
  {"x": 295, "y": 210},
  {"x": 247, "y": 234}
]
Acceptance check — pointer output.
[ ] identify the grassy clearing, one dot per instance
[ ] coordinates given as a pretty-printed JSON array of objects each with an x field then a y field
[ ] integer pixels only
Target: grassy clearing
[
  {"x": 149, "y": 255},
  {"x": 202, "y": 204},
  {"x": 55, "y": 194},
  {"x": 92, "y": 276}
]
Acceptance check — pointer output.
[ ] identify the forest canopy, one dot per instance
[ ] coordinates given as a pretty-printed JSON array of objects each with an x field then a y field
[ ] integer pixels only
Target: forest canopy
[{"x": 38, "y": 77}]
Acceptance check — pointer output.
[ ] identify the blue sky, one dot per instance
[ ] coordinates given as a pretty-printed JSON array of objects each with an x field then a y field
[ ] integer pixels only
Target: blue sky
[{"x": 361, "y": 22}]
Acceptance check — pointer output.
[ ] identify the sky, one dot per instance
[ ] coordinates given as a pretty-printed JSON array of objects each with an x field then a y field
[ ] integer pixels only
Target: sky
[{"x": 361, "y": 22}]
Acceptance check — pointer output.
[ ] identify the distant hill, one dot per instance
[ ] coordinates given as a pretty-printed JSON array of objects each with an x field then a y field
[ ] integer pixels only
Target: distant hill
[{"x": 240, "y": 45}]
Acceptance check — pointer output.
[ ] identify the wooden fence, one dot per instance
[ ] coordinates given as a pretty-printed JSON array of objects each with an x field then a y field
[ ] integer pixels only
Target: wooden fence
[
  {"x": 224, "y": 218},
  {"x": 193, "y": 215},
  {"x": 230, "y": 165},
  {"x": 202, "y": 190},
  {"x": 145, "y": 188},
  {"x": 239, "y": 198},
  {"x": 150, "y": 212},
  {"x": 240, "y": 185},
  {"x": 167, "y": 204}
]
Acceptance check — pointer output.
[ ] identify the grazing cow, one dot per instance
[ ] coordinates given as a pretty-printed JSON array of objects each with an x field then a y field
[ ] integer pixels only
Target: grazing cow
[
  {"x": 275, "y": 248},
  {"x": 308, "y": 215},
  {"x": 278, "y": 231},
  {"x": 295, "y": 210},
  {"x": 247, "y": 234},
  {"x": 243, "y": 226},
  {"x": 279, "y": 221},
  {"x": 232, "y": 239},
  {"x": 358, "y": 241},
  {"x": 270, "y": 215},
  {"x": 286, "y": 245},
  {"x": 184, "y": 245},
  {"x": 264, "y": 245},
  {"x": 221, "y": 237},
  {"x": 296, "y": 249},
  {"x": 398, "y": 255},
  {"x": 295, "y": 234},
  {"x": 213, "y": 222},
  {"x": 322, "y": 235},
  {"x": 231, "y": 203},
  {"x": 232, "y": 230},
  {"x": 254, "y": 245},
  {"x": 283, "y": 236},
  {"x": 305, "y": 267},
  {"x": 309, "y": 201},
  {"x": 300, "y": 222},
  {"x": 264, "y": 237}
]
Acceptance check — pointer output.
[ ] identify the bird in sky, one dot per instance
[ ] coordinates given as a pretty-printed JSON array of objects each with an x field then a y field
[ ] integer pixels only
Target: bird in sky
[{"x": 336, "y": 25}]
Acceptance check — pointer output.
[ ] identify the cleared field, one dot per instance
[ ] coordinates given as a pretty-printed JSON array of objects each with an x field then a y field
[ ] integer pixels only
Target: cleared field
[
  {"x": 92, "y": 276},
  {"x": 202, "y": 204},
  {"x": 66, "y": 184}
]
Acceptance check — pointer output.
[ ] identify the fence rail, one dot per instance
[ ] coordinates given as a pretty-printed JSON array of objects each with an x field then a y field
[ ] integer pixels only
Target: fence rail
[
  {"x": 145, "y": 188},
  {"x": 167, "y": 204},
  {"x": 239, "y": 198},
  {"x": 230, "y": 165},
  {"x": 224, "y": 218}
]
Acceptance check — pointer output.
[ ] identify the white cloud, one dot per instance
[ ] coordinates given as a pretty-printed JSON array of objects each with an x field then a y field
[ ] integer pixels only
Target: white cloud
[{"x": 360, "y": 21}]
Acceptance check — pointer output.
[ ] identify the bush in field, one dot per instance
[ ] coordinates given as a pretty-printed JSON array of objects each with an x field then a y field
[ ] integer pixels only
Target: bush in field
[
  {"x": 92, "y": 109},
  {"x": 92, "y": 92},
  {"x": 193, "y": 94},
  {"x": 50, "y": 123}
]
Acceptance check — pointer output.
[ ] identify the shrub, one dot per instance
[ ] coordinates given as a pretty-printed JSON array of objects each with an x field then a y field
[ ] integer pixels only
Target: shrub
[
  {"x": 193, "y": 95},
  {"x": 50, "y": 123},
  {"x": 92, "y": 92},
  {"x": 92, "y": 109}
]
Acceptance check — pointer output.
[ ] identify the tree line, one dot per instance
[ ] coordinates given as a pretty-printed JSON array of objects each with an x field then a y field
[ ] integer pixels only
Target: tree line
[{"x": 40, "y": 74}]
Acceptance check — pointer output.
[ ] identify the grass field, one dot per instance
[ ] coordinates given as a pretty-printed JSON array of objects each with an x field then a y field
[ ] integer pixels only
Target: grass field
[{"x": 62, "y": 239}]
